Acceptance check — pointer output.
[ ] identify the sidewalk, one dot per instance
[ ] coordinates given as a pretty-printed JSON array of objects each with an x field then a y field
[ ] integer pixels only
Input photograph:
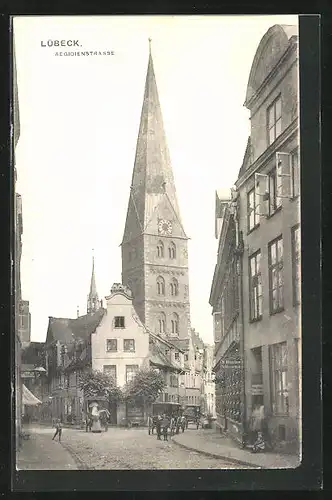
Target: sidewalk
[
  {"x": 212, "y": 443},
  {"x": 40, "y": 452}
]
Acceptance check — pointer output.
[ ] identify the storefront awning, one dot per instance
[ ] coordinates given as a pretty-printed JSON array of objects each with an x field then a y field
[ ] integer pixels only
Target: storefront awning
[{"x": 28, "y": 398}]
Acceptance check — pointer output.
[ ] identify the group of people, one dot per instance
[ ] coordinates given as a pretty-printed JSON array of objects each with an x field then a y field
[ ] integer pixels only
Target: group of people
[
  {"x": 103, "y": 419},
  {"x": 166, "y": 425}
]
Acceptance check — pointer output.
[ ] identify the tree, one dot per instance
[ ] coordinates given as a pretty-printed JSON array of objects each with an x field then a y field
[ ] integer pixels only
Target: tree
[
  {"x": 97, "y": 384},
  {"x": 145, "y": 386}
]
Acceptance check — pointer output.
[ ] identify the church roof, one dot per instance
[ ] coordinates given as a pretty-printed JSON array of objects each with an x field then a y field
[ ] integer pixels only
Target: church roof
[
  {"x": 93, "y": 288},
  {"x": 66, "y": 330},
  {"x": 152, "y": 180}
]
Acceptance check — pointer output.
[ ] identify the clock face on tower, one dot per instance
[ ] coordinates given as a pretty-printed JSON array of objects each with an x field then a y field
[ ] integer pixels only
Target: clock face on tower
[{"x": 165, "y": 227}]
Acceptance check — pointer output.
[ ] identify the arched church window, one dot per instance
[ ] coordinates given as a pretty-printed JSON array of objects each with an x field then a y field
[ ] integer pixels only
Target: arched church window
[
  {"x": 174, "y": 286},
  {"x": 161, "y": 323},
  {"x": 172, "y": 251},
  {"x": 175, "y": 324},
  {"x": 160, "y": 249},
  {"x": 160, "y": 285}
]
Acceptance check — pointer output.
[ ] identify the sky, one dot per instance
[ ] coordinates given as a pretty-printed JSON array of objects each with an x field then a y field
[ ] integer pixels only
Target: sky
[{"x": 79, "y": 119}]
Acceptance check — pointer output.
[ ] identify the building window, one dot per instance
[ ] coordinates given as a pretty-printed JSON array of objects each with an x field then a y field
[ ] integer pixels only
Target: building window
[
  {"x": 111, "y": 345},
  {"x": 172, "y": 251},
  {"x": 274, "y": 190},
  {"x": 131, "y": 371},
  {"x": 119, "y": 322},
  {"x": 278, "y": 355},
  {"x": 160, "y": 249},
  {"x": 160, "y": 285},
  {"x": 177, "y": 356},
  {"x": 166, "y": 352},
  {"x": 186, "y": 357},
  {"x": 175, "y": 324},
  {"x": 229, "y": 302},
  {"x": 295, "y": 174},
  {"x": 174, "y": 381},
  {"x": 110, "y": 370},
  {"x": 296, "y": 261},
  {"x": 62, "y": 355},
  {"x": 161, "y": 323},
  {"x": 253, "y": 216},
  {"x": 255, "y": 286},
  {"x": 129, "y": 345},
  {"x": 276, "y": 278},
  {"x": 174, "y": 286},
  {"x": 274, "y": 120}
]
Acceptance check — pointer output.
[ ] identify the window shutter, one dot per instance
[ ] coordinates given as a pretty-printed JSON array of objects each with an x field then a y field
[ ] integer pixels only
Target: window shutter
[
  {"x": 284, "y": 175},
  {"x": 261, "y": 194}
]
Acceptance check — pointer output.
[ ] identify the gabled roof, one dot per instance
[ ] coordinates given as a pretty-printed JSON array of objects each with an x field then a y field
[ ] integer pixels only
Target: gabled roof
[
  {"x": 173, "y": 343},
  {"x": 270, "y": 51},
  {"x": 181, "y": 344},
  {"x": 158, "y": 357},
  {"x": 197, "y": 341},
  {"x": 246, "y": 158},
  {"x": 66, "y": 330}
]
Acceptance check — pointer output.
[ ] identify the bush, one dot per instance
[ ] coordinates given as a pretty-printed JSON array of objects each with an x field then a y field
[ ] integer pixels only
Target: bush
[
  {"x": 145, "y": 386},
  {"x": 96, "y": 384}
]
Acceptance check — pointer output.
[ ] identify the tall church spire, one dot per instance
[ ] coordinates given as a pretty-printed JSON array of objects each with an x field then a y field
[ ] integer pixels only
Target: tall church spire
[
  {"x": 154, "y": 245},
  {"x": 152, "y": 180},
  {"x": 93, "y": 299}
]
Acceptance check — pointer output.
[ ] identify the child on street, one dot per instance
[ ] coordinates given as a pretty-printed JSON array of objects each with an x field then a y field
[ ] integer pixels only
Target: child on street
[{"x": 58, "y": 431}]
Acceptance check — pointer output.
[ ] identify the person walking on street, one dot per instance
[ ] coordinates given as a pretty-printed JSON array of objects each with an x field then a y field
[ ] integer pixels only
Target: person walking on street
[
  {"x": 165, "y": 423},
  {"x": 58, "y": 431},
  {"x": 158, "y": 427},
  {"x": 150, "y": 424},
  {"x": 88, "y": 422}
]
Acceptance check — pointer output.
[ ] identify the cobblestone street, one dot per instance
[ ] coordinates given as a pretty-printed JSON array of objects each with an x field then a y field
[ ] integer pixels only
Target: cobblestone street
[{"x": 131, "y": 449}]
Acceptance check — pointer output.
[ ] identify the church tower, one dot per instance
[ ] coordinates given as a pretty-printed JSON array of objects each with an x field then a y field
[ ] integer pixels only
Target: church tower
[
  {"x": 154, "y": 245},
  {"x": 93, "y": 299}
]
